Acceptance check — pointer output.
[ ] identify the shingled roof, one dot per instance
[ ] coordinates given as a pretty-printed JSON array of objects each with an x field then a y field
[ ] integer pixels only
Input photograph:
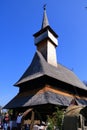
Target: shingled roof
[
  {"x": 26, "y": 100},
  {"x": 39, "y": 67}
]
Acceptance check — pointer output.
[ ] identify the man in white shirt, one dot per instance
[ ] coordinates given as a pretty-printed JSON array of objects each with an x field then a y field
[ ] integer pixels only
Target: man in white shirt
[
  {"x": 18, "y": 121},
  {"x": 20, "y": 117}
]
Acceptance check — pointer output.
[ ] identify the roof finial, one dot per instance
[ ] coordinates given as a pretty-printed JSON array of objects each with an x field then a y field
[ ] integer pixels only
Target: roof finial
[
  {"x": 45, "y": 19},
  {"x": 44, "y": 6}
]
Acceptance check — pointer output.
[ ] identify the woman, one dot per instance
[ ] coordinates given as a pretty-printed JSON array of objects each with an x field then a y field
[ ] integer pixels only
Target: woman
[{"x": 6, "y": 122}]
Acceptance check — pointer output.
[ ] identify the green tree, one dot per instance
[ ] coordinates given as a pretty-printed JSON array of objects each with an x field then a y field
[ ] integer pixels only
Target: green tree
[{"x": 56, "y": 119}]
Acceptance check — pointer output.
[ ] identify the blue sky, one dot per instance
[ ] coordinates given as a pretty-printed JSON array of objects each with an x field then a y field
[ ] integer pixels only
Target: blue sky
[{"x": 20, "y": 19}]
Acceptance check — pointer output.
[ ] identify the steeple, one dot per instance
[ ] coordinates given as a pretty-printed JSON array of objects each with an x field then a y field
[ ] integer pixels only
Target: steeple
[
  {"x": 45, "y": 22},
  {"x": 46, "y": 41}
]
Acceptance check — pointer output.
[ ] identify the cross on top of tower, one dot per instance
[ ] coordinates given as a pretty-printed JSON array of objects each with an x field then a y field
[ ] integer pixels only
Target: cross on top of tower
[
  {"x": 45, "y": 22},
  {"x": 44, "y": 6}
]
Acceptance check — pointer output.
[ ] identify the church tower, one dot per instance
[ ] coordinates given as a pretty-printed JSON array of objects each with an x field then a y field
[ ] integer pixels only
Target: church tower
[{"x": 46, "y": 41}]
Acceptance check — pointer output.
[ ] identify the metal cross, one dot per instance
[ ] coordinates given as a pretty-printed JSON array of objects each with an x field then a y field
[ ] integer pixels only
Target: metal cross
[{"x": 44, "y": 6}]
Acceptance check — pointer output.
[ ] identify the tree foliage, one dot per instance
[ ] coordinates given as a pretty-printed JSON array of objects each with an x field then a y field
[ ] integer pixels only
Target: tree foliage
[{"x": 56, "y": 120}]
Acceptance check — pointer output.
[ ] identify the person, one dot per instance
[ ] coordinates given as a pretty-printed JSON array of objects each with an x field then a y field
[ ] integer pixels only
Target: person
[
  {"x": 20, "y": 118},
  {"x": 13, "y": 125},
  {"x": 6, "y": 122},
  {"x": 18, "y": 121}
]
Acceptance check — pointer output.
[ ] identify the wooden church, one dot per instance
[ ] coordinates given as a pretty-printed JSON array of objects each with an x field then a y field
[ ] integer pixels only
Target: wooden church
[{"x": 46, "y": 83}]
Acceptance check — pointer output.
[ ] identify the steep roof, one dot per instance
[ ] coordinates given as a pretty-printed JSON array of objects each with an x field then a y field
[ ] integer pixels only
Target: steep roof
[
  {"x": 47, "y": 97},
  {"x": 38, "y": 99},
  {"x": 39, "y": 67},
  {"x": 41, "y": 99}
]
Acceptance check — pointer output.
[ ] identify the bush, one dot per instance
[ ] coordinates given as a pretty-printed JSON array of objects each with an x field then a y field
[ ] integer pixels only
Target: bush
[{"x": 55, "y": 120}]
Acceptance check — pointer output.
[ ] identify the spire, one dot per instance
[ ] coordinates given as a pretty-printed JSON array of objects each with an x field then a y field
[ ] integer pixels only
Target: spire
[
  {"x": 46, "y": 41},
  {"x": 45, "y": 22}
]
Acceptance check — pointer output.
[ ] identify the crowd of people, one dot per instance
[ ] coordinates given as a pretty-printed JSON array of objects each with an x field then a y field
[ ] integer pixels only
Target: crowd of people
[{"x": 14, "y": 122}]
